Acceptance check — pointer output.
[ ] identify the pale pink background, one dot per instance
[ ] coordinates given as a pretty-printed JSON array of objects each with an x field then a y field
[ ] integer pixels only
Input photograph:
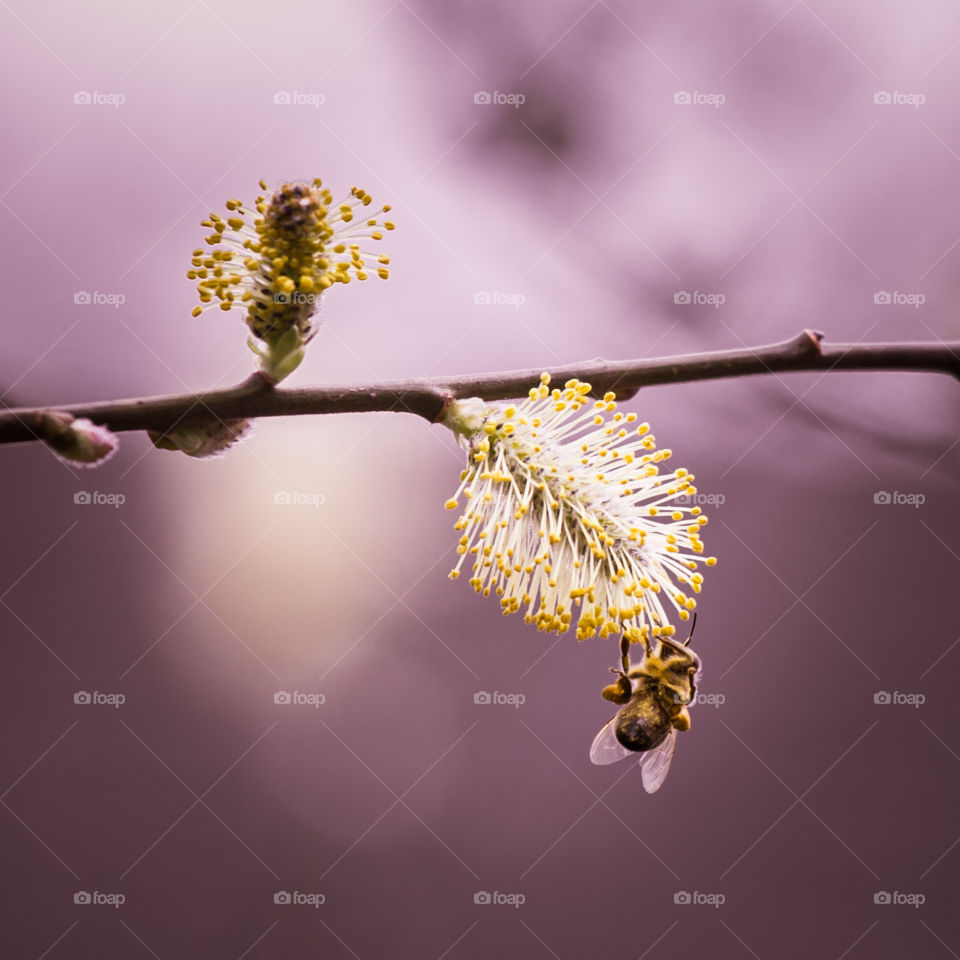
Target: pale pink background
[{"x": 598, "y": 200}]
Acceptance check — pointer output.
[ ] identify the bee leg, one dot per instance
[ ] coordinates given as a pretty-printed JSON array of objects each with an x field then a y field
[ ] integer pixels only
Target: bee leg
[
  {"x": 681, "y": 721},
  {"x": 645, "y": 640},
  {"x": 625, "y": 653},
  {"x": 620, "y": 691}
]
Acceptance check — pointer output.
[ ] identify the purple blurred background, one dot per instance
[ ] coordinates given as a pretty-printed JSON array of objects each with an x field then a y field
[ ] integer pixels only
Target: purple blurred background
[{"x": 778, "y": 166}]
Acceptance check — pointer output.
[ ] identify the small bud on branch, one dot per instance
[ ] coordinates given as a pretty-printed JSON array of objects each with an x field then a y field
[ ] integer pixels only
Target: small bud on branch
[{"x": 77, "y": 441}]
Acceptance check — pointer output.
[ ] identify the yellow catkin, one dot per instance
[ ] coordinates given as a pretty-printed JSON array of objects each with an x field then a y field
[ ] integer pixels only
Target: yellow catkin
[
  {"x": 276, "y": 256},
  {"x": 566, "y": 544}
]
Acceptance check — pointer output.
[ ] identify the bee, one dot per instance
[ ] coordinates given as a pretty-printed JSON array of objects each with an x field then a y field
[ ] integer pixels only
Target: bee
[{"x": 654, "y": 698}]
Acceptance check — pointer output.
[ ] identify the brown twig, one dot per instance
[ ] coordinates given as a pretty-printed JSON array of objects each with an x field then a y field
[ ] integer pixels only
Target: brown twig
[{"x": 255, "y": 397}]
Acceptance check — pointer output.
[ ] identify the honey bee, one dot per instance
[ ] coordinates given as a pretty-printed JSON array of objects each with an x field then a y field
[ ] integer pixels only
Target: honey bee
[{"x": 654, "y": 697}]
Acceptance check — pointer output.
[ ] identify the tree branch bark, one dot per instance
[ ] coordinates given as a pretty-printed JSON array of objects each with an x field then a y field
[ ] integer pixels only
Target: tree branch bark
[{"x": 428, "y": 398}]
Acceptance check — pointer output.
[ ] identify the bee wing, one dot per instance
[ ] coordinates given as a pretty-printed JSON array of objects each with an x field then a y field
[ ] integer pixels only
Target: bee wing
[
  {"x": 655, "y": 764},
  {"x": 605, "y": 747}
]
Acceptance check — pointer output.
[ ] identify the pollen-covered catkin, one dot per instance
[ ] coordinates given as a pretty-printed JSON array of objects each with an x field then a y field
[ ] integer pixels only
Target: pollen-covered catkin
[
  {"x": 570, "y": 516},
  {"x": 275, "y": 259}
]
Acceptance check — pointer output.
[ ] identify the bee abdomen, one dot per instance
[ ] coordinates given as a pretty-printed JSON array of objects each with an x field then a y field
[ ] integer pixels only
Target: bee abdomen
[{"x": 643, "y": 724}]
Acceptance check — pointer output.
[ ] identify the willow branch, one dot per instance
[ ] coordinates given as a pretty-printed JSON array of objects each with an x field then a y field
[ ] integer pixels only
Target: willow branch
[{"x": 428, "y": 398}]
